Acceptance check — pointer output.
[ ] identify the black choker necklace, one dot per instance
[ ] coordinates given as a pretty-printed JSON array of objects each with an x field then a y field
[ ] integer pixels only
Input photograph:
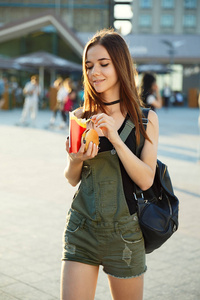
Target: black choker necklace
[{"x": 111, "y": 103}]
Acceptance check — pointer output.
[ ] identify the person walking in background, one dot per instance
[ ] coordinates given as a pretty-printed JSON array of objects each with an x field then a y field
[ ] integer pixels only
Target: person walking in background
[
  {"x": 149, "y": 92},
  {"x": 31, "y": 92},
  {"x": 70, "y": 100},
  {"x": 3, "y": 82},
  {"x": 80, "y": 94},
  {"x": 102, "y": 225},
  {"x": 62, "y": 93},
  {"x": 166, "y": 95}
]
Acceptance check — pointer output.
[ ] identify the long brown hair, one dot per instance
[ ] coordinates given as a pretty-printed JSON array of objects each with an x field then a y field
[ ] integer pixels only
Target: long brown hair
[{"x": 123, "y": 63}]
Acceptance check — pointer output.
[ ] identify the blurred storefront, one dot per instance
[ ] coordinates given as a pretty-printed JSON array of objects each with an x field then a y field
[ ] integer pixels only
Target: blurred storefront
[{"x": 53, "y": 32}]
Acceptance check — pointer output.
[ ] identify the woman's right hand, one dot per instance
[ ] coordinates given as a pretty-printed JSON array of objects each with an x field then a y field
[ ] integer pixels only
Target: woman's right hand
[{"x": 81, "y": 155}]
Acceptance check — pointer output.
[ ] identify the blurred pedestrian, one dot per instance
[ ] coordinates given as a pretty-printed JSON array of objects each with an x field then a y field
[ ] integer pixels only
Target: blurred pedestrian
[
  {"x": 166, "y": 95},
  {"x": 80, "y": 94},
  {"x": 70, "y": 100},
  {"x": 199, "y": 112},
  {"x": 13, "y": 86},
  {"x": 178, "y": 98},
  {"x": 19, "y": 96},
  {"x": 198, "y": 151},
  {"x": 31, "y": 92},
  {"x": 149, "y": 92},
  {"x": 102, "y": 225},
  {"x": 3, "y": 81},
  {"x": 62, "y": 93}
]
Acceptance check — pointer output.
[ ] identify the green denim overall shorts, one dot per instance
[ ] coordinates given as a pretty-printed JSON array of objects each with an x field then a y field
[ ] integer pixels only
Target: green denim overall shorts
[{"x": 99, "y": 228}]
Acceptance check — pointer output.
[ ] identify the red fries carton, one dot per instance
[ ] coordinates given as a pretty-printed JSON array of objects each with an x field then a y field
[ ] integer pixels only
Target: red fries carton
[{"x": 76, "y": 129}]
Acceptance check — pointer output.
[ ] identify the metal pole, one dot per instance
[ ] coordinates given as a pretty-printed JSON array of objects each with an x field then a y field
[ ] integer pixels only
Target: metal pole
[
  {"x": 41, "y": 81},
  {"x": 71, "y": 13},
  {"x": 171, "y": 52},
  {"x": 111, "y": 14},
  {"x": 57, "y": 6}
]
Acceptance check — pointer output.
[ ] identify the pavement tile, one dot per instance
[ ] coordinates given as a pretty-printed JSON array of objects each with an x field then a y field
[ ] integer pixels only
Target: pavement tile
[
  {"x": 31, "y": 277},
  {"x": 11, "y": 269},
  {"x": 4, "y": 296},
  {"x": 50, "y": 286},
  {"x": 6, "y": 280},
  {"x": 35, "y": 198},
  {"x": 54, "y": 273},
  {"x": 26, "y": 292}
]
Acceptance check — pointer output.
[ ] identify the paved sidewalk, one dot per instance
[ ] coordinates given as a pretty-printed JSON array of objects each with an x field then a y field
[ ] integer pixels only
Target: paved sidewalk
[{"x": 34, "y": 199}]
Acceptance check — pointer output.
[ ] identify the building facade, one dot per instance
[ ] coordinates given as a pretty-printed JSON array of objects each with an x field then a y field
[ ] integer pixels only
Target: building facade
[
  {"x": 166, "y": 16},
  {"x": 81, "y": 15},
  {"x": 163, "y": 31}
]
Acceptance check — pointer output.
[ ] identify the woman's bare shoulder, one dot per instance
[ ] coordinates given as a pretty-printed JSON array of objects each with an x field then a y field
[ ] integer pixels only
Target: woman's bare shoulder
[
  {"x": 153, "y": 117},
  {"x": 153, "y": 125}
]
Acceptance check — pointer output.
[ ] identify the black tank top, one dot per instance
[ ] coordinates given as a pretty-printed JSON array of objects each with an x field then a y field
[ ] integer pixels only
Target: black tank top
[{"x": 128, "y": 184}]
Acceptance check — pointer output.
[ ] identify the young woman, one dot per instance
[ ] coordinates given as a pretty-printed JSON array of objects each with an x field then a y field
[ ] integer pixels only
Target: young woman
[
  {"x": 102, "y": 225},
  {"x": 149, "y": 91}
]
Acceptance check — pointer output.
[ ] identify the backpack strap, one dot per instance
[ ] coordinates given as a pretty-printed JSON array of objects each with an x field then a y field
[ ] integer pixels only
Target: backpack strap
[{"x": 145, "y": 112}]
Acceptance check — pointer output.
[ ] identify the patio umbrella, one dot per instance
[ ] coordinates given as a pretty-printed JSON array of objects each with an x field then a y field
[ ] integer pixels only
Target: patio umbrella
[
  {"x": 44, "y": 60},
  {"x": 8, "y": 63}
]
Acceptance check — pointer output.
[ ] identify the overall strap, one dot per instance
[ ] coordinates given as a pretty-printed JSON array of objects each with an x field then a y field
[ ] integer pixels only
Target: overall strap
[
  {"x": 126, "y": 130},
  {"x": 129, "y": 125}
]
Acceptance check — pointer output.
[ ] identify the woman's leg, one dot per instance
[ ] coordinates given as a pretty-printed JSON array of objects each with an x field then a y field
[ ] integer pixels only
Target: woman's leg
[
  {"x": 34, "y": 110},
  {"x": 129, "y": 289},
  {"x": 25, "y": 111},
  {"x": 78, "y": 281},
  {"x": 64, "y": 117}
]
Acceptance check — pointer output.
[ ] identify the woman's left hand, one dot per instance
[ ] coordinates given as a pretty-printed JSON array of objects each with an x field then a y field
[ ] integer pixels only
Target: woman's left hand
[{"x": 107, "y": 125}]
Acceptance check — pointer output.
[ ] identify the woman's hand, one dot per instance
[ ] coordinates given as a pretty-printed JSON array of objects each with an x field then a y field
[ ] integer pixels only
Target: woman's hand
[
  {"x": 81, "y": 155},
  {"x": 107, "y": 125},
  {"x": 75, "y": 161}
]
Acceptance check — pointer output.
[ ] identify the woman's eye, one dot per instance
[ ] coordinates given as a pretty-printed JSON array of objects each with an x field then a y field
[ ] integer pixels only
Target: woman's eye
[
  {"x": 104, "y": 65},
  {"x": 88, "y": 68}
]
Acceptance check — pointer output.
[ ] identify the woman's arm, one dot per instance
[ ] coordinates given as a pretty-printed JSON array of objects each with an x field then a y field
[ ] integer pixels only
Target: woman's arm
[{"x": 142, "y": 170}]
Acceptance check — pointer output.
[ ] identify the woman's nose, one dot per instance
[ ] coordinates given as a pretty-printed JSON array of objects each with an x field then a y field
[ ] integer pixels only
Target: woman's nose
[{"x": 96, "y": 70}]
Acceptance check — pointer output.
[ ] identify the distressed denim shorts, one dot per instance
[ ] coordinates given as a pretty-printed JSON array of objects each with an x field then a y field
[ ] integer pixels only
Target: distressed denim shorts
[{"x": 118, "y": 246}]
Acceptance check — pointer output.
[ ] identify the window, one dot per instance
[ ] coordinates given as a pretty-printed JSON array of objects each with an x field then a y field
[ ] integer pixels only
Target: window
[
  {"x": 167, "y": 3},
  {"x": 167, "y": 20},
  {"x": 189, "y": 21},
  {"x": 190, "y": 3},
  {"x": 145, "y": 3},
  {"x": 145, "y": 20}
]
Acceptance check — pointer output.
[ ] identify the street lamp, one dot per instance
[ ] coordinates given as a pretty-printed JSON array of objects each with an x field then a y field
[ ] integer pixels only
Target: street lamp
[{"x": 172, "y": 50}]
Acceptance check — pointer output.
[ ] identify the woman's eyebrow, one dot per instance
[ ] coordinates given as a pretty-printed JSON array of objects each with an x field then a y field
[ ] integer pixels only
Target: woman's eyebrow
[{"x": 104, "y": 58}]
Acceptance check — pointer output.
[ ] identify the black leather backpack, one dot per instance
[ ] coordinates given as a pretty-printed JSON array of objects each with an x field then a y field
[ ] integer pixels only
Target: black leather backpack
[{"x": 158, "y": 207}]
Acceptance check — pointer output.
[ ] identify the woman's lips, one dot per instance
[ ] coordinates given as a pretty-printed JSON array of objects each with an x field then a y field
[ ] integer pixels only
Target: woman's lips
[{"x": 98, "y": 81}]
